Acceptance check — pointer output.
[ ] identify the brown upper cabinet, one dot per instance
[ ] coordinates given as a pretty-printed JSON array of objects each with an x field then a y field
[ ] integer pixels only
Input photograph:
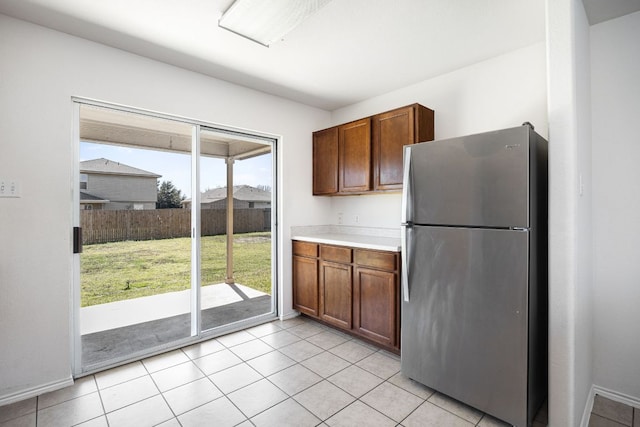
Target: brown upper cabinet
[
  {"x": 325, "y": 161},
  {"x": 366, "y": 155},
  {"x": 391, "y": 131},
  {"x": 354, "y": 149}
]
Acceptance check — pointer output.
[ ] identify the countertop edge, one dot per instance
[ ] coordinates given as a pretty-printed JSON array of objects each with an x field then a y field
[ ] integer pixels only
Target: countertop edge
[{"x": 389, "y": 244}]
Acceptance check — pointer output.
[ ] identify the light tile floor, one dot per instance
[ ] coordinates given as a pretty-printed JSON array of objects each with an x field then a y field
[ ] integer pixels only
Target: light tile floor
[
  {"x": 609, "y": 413},
  {"x": 290, "y": 373}
]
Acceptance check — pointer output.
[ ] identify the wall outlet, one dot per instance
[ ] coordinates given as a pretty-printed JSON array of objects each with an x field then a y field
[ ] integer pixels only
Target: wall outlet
[
  {"x": 356, "y": 219},
  {"x": 340, "y": 218},
  {"x": 9, "y": 188}
]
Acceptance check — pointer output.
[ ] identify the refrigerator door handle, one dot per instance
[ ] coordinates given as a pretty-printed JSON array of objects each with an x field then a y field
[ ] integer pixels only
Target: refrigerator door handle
[
  {"x": 405, "y": 264},
  {"x": 406, "y": 187},
  {"x": 406, "y": 221}
]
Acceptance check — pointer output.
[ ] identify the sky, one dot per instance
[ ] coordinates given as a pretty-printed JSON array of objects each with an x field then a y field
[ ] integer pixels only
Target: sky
[{"x": 176, "y": 167}]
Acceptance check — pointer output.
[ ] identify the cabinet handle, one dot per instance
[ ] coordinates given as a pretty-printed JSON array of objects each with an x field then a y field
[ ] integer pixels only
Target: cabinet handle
[{"x": 405, "y": 214}]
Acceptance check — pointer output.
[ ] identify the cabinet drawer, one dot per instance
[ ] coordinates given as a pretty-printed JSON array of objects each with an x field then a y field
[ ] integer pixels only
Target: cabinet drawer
[
  {"x": 305, "y": 249},
  {"x": 374, "y": 259},
  {"x": 336, "y": 254}
]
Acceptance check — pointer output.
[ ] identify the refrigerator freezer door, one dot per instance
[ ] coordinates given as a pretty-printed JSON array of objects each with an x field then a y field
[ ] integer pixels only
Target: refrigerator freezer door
[
  {"x": 464, "y": 331},
  {"x": 479, "y": 180}
]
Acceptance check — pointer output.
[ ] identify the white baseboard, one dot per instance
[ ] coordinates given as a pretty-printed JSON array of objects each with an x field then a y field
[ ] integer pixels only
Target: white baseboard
[
  {"x": 36, "y": 391},
  {"x": 588, "y": 408},
  {"x": 609, "y": 394},
  {"x": 617, "y": 396},
  {"x": 289, "y": 315}
]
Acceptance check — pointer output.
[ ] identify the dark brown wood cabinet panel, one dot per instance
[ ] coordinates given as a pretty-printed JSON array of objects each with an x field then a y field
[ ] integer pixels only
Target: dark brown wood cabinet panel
[
  {"x": 376, "y": 305},
  {"x": 354, "y": 149},
  {"x": 391, "y": 132},
  {"x": 325, "y": 161},
  {"x": 305, "y": 285},
  {"x": 340, "y": 254},
  {"x": 377, "y": 259},
  {"x": 336, "y": 294},
  {"x": 307, "y": 249}
]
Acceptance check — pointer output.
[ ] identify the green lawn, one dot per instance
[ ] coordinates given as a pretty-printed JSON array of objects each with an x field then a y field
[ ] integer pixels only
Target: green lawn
[{"x": 125, "y": 270}]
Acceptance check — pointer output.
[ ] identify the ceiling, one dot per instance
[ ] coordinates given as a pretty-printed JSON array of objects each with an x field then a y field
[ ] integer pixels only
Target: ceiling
[
  {"x": 603, "y": 10},
  {"x": 348, "y": 51}
]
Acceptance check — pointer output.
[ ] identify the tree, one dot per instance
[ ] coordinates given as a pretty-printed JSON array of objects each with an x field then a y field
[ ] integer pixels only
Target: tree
[{"x": 168, "y": 196}]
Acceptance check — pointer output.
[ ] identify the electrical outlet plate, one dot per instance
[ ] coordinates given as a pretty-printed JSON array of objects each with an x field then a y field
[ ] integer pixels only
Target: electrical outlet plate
[{"x": 9, "y": 188}]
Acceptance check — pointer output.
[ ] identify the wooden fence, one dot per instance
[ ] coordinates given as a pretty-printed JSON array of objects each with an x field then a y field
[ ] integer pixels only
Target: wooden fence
[{"x": 102, "y": 226}]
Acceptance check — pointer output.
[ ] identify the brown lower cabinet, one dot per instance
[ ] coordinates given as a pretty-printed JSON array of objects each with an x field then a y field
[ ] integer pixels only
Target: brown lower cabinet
[
  {"x": 336, "y": 294},
  {"x": 305, "y": 278},
  {"x": 353, "y": 289},
  {"x": 375, "y": 305}
]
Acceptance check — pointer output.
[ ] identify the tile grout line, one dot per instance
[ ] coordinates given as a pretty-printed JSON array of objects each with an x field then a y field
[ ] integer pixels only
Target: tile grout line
[
  {"x": 303, "y": 366},
  {"x": 350, "y": 364},
  {"x": 366, "y": 404},
  {"x": 247, "y": 385},
  {"x": 104, "y": 410},
  {"x": 175, "y": 417},
  {"x": 158, "y": 388}
]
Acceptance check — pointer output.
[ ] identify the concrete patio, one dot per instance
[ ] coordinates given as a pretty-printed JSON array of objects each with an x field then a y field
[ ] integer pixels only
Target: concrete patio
[
  {"x": 102, "y": 317},
  {"x": 118, "y": 330}
]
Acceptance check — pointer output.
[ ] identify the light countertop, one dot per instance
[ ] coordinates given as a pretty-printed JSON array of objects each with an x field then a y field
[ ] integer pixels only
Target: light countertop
[{"x": 357, "y": 237}]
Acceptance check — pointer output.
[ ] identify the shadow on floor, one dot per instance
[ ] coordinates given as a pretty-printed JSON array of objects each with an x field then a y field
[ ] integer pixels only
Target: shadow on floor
[{"x": 100, "y": 347}]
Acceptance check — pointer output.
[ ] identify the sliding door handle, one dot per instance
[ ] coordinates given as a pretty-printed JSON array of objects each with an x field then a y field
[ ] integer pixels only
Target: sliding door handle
[{"x": 77, "y": 240}]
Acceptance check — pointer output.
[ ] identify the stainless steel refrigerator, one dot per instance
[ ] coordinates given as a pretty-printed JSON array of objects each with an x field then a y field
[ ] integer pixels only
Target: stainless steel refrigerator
[{"x": 474, "y": 235}]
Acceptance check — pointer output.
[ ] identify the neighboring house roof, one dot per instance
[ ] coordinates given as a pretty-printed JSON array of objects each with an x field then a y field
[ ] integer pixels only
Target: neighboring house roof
[
  {"x": 240, "y": 192},
  {"x": 106, "y": 166},
  {"x": 245, "y": 193},
  {"x": 90, "y": 198}
]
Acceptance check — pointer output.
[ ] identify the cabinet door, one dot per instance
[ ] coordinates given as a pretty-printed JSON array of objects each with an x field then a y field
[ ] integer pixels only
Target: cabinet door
[
  {"x": 376, "y": 305},
  {"x": 305, "y": 285},
  {"x": 325, "y": 161},
  {"x": 354, "y": 149},
  {"x": 336, "y": 294},
  {"x": 391, "y": 131}
]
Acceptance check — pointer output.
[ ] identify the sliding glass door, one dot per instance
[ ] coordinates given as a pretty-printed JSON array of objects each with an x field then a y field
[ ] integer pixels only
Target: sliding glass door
[
  {"x": 169, "y": 246},
  {"x": 235, "y": 215}
]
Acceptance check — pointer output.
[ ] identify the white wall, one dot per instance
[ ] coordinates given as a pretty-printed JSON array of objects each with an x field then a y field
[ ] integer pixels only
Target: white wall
[
  {"x": 570, "y": 251},
  {"x": 498, "y": 93},
  {"x": 615, "y": 68},
  {"x": 40, "y": 70},
  {"x": 584, "y": 286}
]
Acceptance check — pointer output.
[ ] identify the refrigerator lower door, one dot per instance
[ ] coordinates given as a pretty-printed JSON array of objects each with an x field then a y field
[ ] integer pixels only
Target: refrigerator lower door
[{"x": 464, "y": 330}]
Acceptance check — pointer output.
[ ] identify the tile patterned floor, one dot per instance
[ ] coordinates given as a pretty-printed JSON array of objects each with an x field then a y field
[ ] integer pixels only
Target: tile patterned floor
[
  {"x": 291, "y": 373},
  {"x": 608, "y": 413}
]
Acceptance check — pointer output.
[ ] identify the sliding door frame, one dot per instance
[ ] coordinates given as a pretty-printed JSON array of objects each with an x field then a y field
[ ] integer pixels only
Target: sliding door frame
[
  {"x": 196, "y": 261},
  {"x": 197, "y": 334}
]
